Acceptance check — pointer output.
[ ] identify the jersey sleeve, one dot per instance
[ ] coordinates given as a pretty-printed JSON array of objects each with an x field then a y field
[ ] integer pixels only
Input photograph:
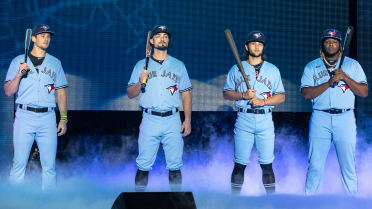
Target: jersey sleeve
[
  {"x": 359, "y": 75},
  {"x": 12, "y": 70},
  {"x": 278, "y": 86},
  {"x": 230, "y": 83},
  {"x": 185, "y": 84},
  {"x": 307, "y": 79},
  {"x": 61, "y": 81},
  {"x": 134, "y": 78}
]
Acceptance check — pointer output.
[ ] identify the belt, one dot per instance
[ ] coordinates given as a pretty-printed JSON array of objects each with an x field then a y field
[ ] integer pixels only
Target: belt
[
  {"x": 336, "y": 111},
  {"x": 254, "y": 111},
  {"x": 34, "y": 109},
  {"x": 161, "y": 114}
]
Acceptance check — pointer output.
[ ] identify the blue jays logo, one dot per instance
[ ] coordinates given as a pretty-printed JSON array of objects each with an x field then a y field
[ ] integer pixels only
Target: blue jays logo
[
  {"x": 344, "y": 87},
  {"x": 172, "y": 89},
  {"x": 257, "y": 35},
  {"x": 45, "y": 27},
  {"x": 332, "y": 33},
  {"x": 50, "y": 87},
  {"x": 266, "y": 94},
  {"x": 162, "y": 27}
]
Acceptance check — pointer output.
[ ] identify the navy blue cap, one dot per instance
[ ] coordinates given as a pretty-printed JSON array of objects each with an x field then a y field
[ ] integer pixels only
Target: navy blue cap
[
  {"x": 332, "y": 33},
  {"x": 42, "y": 29},
  {"x": 256, "y": 36},
  {"x": 160, "y": 29}
]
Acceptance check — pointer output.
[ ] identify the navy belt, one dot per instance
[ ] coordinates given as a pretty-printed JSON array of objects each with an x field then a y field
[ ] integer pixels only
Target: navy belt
[
  {"x": 254, "y": 111},
  {"x": 34, "y": 109},
  {"x": 336, "y": 111},
  {"x": 161, "y": 114}
]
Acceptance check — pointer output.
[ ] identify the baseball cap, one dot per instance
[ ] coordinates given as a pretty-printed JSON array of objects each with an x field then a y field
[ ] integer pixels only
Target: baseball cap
[
  {"x": 256, "y": 36},
  {"x": 160, "y": 29},
  {"x": 42, "y": 29},
  {"x": 332, "y": 33}
]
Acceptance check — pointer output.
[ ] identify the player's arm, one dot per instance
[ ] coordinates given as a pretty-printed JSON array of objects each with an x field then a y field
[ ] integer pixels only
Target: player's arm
[
  {"x": 272, "y": 101},
  {"x": 61, "y": 95},
  {"x": 134, "y": 90},
  {"x": 11, "y": 87},
  {"x": 187, "y": 108},
  {"x": 234, "y": 95},
  {"x": 310, "y": 92},
  {"x": 359, "y": 89}
]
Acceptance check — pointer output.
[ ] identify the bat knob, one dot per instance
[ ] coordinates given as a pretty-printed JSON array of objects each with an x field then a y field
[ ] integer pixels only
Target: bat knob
[{"x": 143, "y": 87}]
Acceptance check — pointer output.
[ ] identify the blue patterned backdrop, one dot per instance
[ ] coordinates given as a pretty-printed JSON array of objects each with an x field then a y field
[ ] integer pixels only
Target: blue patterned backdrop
[{"x": 99, "y": 42}]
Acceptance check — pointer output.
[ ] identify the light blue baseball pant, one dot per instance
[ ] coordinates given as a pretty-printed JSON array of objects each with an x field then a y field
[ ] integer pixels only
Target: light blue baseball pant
[
  {"x": 326, "y": 128},
  {"x": 30, "y": 126},
  {"x": 155, "y": 130},
  {"x": 254, "y": 129}
]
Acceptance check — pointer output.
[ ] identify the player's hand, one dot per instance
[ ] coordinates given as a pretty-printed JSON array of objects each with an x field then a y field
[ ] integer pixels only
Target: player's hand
[
  {"x": 23, "y": 66},
  {"x": 62, "y": 128},
  {"x": 186, "y": 127},
  {"x": 256, "y": 102},
  {"x": 251, "y": 93},
  {"x": 143, "y": 75},
  {"x": 339, "y": 74},
  {"x": 333, "y": 79}
]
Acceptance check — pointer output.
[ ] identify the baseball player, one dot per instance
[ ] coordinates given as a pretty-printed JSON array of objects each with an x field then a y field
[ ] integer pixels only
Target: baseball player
[
  {"x": 254, "y": 123},
  {"x": 167, "y": 82},
  {"x": 332, "y": 119},
  {"x": 37, "y": 92}
]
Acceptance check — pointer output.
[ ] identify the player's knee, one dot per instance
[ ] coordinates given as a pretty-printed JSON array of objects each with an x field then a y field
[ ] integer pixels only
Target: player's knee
[
  {"x": 175, "y": 177},
  {"x": 237, "y": 176},
  {"x": 268, "y": 176}
]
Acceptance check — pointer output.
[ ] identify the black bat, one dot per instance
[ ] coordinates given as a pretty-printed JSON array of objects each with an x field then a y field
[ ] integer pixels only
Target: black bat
[
  {"x": 27, "y": 46},
  {"x": 232, "y": 44},
  {"x": 148, "y": 52},
  {"x": 347, "y": 40}
]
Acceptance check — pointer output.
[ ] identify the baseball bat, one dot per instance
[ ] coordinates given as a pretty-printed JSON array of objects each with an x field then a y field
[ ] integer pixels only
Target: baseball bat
[
  {"x": 148, "y": 52},
  {"x": 232, "y": 44},
  {"x": 27, "y": 46},
  {"x": 347, "y": 40}
]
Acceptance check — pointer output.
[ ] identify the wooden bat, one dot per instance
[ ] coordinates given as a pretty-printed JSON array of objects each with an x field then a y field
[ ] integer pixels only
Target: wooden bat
[
  {"x": 232, "y": 44},
  {"x": 27, "y": 46},
  {"x": 347, "y": 40},
  {"x": 148, "y": 52}
]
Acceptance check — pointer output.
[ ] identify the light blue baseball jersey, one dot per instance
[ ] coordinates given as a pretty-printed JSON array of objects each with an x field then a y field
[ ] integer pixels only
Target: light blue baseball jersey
[
  {"x": 267, "y": 84},
  {"x": 165, "y": 83},
  {"x": 339, "y": 97},
  {"x": 38, "y": 89}
]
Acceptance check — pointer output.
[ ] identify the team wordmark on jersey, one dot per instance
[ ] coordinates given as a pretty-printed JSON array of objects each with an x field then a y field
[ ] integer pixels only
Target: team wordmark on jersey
[
  {"x": 344, "y": 87},
  {"x": 266, "y": 94},
  {"x": 49, "y": 72},
  {"x": 153, "y": 74},
  {"x": 50, "y": 87},
  {"x": 265, "y": 81},
  {"x": 172, "y": 76},
  {"x": 320, "y": 75},
  {"x": 172, "y": 89}
]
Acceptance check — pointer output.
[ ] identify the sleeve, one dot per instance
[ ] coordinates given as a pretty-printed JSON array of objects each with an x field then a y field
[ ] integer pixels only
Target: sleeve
[
  {"x": 134, "y": 78},
  {"x": 185, "y": 84},
  {"x": 12, "y": 71},
  {"x": 230, "y": 83},
  {"x": 278, "y": 86},
  {"x": 61, "y": 81},
  {"x": 359, "y": 75},
  {"x": 307, "y": 78}
]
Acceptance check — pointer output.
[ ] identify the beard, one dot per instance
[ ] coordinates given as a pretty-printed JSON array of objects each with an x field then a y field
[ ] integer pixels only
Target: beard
[
  {"x": 254, "y": 55},
  {"x": 327, "y": 54},
  {"x": 162, "y": 47}
]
